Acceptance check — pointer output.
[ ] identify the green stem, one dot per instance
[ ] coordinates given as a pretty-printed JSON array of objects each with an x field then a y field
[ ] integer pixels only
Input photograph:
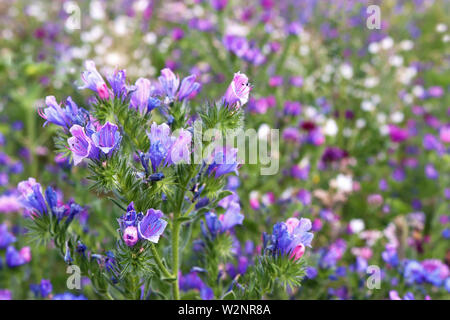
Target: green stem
[
  {"x": 159, "y": 262},
  {"x": 175, "y": 255}
]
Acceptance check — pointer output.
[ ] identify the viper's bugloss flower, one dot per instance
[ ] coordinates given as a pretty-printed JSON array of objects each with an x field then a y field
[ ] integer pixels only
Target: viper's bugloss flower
[
  {"x": 54, "y": 113},
  {"x": 15, "y": 258},
  {"x": 107, "y": 138},
  {"x": 223, "y": 161},
  {"x": 5, "y": 294},
  {"x": 136, "y": 226},
  {"x": 130, "y": 236},
  {"x": 68, "y": 296},
  {"x": 31, "y": 196},
  {"x": 81, "y": 145},
  {"x": 169, "y": 82},
  {"x": 117, "y": 81},
  {"x": 160, "y": 143},
  {"x": 390, "y": 256},
  {"x": 152, "y": 226},
  {"x": 238, "y": 91},
  {"x": 192, "y": 281},
  {"x": 94, "y": 81},
  {"x": 291, "y": 238},
  {"x": 63, "y": 117},
  {"x": 129, "y": 219},
  {"x": 188, "y": 87},
  {"x": 140, "y": 97},
  {"x": 6, "y": 238},
  {"x": 331, "y": 255},
  {"x": 45, "y": 288},
  {"x": 180, "y": 150}
]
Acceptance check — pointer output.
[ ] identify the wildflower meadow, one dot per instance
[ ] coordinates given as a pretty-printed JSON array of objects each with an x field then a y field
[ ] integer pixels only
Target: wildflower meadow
[{"x": 224, "y": 150}]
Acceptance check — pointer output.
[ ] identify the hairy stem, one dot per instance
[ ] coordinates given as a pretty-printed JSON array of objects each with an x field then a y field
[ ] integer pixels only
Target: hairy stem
[
  {"x": 175, "y": 256},
  {"x": 159, "y": 262}
]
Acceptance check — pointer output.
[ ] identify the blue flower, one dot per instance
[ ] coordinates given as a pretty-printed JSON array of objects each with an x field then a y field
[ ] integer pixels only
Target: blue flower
[
  {"x": 152, "y": 226},
  {"x": 45, "y": 288},
  {"x": 31, "y": 196},
  {"x": 160, "y": 143},
  {"x": 6, "y": 238},
  {"x": 68, "y": 296},
  {"x": 140, "y": 97},
  {"x": 117, "y": 81},
  {"x": 169, "y": 82},
  {"x": 188, "y": 86},
  {"x": 107, "y": 138},
  {"x": 223, "y": 161},
  {"x": 14, "y": 258},
  {"x": 290, "y": 238}
]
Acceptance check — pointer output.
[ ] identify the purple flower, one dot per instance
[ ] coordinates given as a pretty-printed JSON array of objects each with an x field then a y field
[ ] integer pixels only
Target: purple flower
[
  {"x": 130, "y": 236},
  {"x": 54, "y": 113},
  {"x": 68, "y": 296},
  {"x": 431, "y": 172},
  {"x": 31, "y": 196},
  {"x": 81, "y": 145},
  {"x": 169, "y": 81},
  {"x": 292, "y": 108},
  {"x": 231, "y": 217},
  {"x": 160, "y": 143},
  {"x": 291, "y": 237},
  {"x": 94, "y": 81},
  {"x": 219, "y": 5},
  {"x": 304, "y": 196},
  {"x": 188, "y": 87},
  {"x": 14, "y": 258},
  {"x": 107, "y": 138},
  {"x": 5, "y": 294},
  {"x": 223, "y": 161},
  {"x": 117, "y": 81},
  {"x": 45, "y": 288},
  {"x": 238, "y": 91},
  {"x": 152, "y": 226},
  {"x": 6, "y": 238},
  {"x": 140, "y": 97},
  {"x": 398, "y": 134},
  {"x": 180, "y": 150}
]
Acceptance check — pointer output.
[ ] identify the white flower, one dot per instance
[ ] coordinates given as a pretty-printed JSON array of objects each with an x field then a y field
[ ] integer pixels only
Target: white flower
[
  {"x": 357, "y": 225},
  {"x": 346, "y": 71},
  {"x": 344, "y": 183},
  {"x": 331, "y": 128}
]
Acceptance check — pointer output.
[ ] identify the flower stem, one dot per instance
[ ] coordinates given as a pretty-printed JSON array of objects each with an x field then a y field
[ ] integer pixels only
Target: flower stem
[
  {"x": 159, "y": 262},
  {"x": 175, "y": 256}
]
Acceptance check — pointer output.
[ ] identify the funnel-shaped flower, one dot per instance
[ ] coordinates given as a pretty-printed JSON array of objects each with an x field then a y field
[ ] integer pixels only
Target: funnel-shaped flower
[
  {"x": 152, "y": 226},
  {"x": 107, "y": 138},
  {"x": 238, "y": 91},
  {"x": 140, "y": 97},
  {"x": 94, "y": 81}
]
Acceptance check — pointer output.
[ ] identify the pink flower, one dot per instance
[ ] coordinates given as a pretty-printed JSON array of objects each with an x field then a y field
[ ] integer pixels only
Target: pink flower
[
  {"x": 238, "y": 90},
  {"x": 130, "y": 236},
  {"x": 444, "y": 134},
  {"x": 25, "y": 253}
]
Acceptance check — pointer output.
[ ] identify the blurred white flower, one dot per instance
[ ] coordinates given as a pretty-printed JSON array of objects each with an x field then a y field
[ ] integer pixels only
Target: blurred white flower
[
  {"x": 387, "y": 43},
  {"x": 441, "y": 28},
  {"x": 406, "y": 45},
  {"x": 346, "y": 71},
  {"x": 344, "y": 183},
  {"x": 331, "y": 128},
  {"x": 96, "y": 10},
  {"x": 357, "y": 225}
]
